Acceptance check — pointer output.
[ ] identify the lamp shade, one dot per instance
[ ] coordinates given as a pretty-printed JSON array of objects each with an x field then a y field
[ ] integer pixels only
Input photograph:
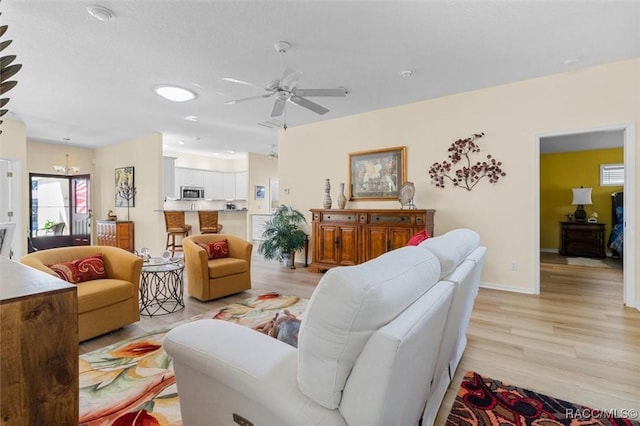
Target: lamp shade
[{"x": 581, "y": 196}]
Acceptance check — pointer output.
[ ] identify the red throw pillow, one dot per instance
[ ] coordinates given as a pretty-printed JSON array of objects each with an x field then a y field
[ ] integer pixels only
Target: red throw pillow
[
  {"x": 418, "y": 238},
  {"x": 216, "y": 250},
  {"x": 80, "y": 270}
]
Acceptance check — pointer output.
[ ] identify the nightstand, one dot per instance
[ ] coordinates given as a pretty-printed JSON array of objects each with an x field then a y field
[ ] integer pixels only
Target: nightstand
[{"x": 582, "y": 239}]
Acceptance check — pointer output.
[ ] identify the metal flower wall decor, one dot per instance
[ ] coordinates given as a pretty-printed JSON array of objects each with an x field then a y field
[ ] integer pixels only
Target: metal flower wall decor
[{"x": 467, "y": 175}]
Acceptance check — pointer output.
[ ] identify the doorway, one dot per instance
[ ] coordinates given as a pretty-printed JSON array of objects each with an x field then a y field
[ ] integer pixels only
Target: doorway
[
  {"x": 60, "y": 211},
  {"x": 627, "y": 134}
]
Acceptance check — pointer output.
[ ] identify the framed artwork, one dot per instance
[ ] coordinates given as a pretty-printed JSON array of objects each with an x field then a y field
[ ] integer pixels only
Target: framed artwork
[
  {"x": 125, "y": 187},
  {"x": 377, "y": 174},
  {"x": 7, "y": 230},
  {"x": 260, "y": 192}
]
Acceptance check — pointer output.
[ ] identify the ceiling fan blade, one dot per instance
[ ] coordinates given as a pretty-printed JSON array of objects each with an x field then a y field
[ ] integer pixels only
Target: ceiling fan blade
[
  {"x": 234, "y": 80},
  {"x": 318, "y": 109},
  {"x": 321, "y": 92},
  {"x": 251, "y": 98},
  {"x": 278, "y": 108},
  {"x": 290, "y": 78}
]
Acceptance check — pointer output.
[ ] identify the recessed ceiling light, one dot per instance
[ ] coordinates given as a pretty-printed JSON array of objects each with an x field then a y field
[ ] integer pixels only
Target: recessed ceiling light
[
  {"x": 570, "y": 61},
  {"x": 191, "y": 118},
  {"x": 175, "y": 94},
  {"x": 230, "y": 151},
  {"x": 406, "y": 73},
  {"x": 180, "y": 142},
  {"x": 101, "y": 13}
]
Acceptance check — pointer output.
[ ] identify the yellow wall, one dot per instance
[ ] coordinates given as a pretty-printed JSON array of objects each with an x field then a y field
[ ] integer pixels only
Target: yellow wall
[
  {"x": 512, "y": 116},
  {"x": 559, "y": 172}
]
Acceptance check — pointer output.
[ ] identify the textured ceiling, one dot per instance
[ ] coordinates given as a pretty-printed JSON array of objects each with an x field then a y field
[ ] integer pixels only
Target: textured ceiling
[{"x": 92, "y": 81}]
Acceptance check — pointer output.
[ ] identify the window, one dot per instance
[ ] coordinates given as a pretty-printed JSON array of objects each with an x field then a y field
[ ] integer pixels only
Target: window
[{"x": 611, "y": 174}]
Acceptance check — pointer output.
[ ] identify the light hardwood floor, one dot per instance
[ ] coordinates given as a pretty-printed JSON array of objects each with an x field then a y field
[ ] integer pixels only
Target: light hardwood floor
[{"x": 576, "y": 341}]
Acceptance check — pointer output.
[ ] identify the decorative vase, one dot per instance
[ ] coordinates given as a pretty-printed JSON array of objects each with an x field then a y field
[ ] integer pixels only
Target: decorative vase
[
  {"x": 342, "y": 199},
  {"x": 326, "y": 201}
]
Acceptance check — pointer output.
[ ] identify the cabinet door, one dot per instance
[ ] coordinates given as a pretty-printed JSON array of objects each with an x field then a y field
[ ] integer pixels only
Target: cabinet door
[
  {"x": 400, "y": 236},
  {"x": 229, "y": 186},
  {"x": 213, "y": 185},
  {"x": 241, "y": 186},
  {"x": 326, "y": 244},
  {"x": 375, "y": 241},
  {"x": 347, "y": 245}
]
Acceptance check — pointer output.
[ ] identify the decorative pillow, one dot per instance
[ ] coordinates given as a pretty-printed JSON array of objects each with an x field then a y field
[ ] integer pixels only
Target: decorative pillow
[
  {"x": 80, "y": 270},
  {"x": 216, "y": 250},
  {"x": 418, "y": 238}
]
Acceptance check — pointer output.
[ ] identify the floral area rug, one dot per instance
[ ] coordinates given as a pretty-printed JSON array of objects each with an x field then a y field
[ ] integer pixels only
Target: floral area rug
[
  {"x": 482, "y": 401},
  {"x": 132, "y": 382}
]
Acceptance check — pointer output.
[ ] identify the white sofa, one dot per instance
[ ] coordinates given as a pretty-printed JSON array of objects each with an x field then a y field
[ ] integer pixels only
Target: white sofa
[{"x": 378, "y": 345}]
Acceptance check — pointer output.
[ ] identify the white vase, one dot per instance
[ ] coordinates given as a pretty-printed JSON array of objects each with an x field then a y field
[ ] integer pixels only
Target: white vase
[{"x": 342, "y": 199}]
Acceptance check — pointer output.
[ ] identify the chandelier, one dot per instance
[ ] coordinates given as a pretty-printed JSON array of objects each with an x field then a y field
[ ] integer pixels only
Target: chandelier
[{"x": 66, "y": 169}]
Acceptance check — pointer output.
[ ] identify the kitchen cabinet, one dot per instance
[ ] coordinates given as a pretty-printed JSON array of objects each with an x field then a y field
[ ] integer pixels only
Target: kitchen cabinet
[
  {"x": 241, "y": 186},
  {"x": 169, "y": 176},
  {"x": 229, "y": 185},
  {"x": 213, "y": 185},
  {"x": 342, "y": 237}
]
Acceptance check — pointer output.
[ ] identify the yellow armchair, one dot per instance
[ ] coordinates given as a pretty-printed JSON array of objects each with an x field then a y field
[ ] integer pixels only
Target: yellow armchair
[
  {"x": 209, "y": 279},
  {"x": 103, "y": 305}
]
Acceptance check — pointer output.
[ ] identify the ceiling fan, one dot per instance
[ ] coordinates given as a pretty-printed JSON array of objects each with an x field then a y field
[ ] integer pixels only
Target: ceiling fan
[
  {"x": 286, "y": 89},
  {"x": 273, "y": 154}
]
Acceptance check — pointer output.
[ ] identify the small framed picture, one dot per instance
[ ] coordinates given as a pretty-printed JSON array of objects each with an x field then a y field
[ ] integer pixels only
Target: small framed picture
[{"x": 260, "y": 192}]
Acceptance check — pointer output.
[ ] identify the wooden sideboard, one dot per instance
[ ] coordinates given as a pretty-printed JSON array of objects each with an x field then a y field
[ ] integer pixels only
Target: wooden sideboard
[
  {"x": 352, "y": 236},
  {"x": 38, "y": 347},
  {"x": 116, "y": 233}
]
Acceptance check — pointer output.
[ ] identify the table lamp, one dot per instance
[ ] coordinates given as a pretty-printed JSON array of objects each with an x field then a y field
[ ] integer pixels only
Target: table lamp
[{"x": 581, "y": 197}]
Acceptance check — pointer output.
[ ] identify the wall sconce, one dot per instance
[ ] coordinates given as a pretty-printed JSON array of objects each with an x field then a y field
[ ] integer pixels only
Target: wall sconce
[{"x": 581, "y": 197}]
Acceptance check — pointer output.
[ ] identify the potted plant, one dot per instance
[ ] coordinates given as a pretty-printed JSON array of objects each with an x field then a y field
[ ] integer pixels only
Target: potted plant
[{"x": 283, "y": 235}]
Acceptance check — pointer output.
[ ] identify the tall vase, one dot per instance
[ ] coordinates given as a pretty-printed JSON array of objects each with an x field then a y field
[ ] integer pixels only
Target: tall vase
[
  {"x": 342, "y": 199},
  {"x": 326, "y": 201}
]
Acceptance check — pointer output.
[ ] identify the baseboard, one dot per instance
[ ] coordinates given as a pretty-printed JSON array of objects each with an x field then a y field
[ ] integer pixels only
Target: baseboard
[
  {"x": 550, "y": 250},
  {"x": 503, "y": 287}
]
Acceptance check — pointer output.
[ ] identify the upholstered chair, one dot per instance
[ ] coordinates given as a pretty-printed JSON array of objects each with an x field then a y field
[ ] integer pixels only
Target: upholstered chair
[
  {"x": 211, "y": 278},
  {"x": 103, "y": 304}
]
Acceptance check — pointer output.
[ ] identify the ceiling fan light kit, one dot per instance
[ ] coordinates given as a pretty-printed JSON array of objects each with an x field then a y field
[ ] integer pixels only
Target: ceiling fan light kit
[
  {"x": 175, "y": 93},
  {"x": 286, "y": 89}
]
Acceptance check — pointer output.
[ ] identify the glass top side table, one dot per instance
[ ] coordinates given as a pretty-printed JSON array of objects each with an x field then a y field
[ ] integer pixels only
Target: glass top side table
[{"x": 161, "y": 287}]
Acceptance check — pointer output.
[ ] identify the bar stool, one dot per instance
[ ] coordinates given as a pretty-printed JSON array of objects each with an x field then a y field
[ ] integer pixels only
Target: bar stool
[
  {"x": 209, "y": 222},
  {"x": 176, "y": 226}
]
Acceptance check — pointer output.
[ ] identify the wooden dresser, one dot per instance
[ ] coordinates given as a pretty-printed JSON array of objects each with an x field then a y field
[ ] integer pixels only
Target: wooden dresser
[
  {"x": 352, "y": 236},
  {"x": 38, "y": 347},
  {"x": 115, "y": 233}
]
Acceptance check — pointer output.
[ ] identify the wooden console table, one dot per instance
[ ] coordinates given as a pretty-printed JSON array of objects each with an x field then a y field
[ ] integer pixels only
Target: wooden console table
[
  {"x": 582, "y": 239},
  {"x": 38, "y": 347},
  {"x": 352, "y": 236}
]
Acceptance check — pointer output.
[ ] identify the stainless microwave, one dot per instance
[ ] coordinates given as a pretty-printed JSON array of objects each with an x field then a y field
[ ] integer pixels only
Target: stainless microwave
[{"x": 191, "y": 193}]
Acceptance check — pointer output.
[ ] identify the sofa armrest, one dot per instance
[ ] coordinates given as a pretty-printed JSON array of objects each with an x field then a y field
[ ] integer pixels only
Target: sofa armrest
[
  {"x": 196, "y": 263},
  {"x": 122, "y": 265},
  {"x": 252, "y": 368}
]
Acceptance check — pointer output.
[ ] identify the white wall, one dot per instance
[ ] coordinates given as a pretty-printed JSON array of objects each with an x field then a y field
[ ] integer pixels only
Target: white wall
[
  {"x": 13, "y": 148},
  {"x": 510, "y": 115},
  {"x": 145, "y": 155}
]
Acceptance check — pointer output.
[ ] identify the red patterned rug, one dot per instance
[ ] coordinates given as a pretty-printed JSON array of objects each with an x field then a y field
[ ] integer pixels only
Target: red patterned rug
[{"x": 482, "y": 401}]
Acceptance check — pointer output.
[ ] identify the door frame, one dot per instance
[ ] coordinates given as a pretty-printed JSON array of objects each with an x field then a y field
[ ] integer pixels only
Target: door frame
[{"x": 629, "y": 254}]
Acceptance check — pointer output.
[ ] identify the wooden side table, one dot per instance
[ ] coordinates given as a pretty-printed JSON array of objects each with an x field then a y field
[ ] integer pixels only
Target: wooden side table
[{"x": 582, "y": 239}]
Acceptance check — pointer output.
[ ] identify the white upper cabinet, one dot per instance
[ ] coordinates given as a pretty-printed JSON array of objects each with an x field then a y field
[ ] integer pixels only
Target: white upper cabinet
[
  {"x": 213, "y": 185},
  {"x": 169, "y": 176},
  {"x": 241, "y": 186},
  {"x": 217, "y": 185}
]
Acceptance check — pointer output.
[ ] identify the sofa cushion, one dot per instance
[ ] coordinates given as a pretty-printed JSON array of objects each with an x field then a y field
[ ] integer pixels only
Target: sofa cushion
[
  {"x": 81, "y": 270},
  {"x": 227, "y": 266},
  {"x": 347, "y": 306},
  {"x": 418, "y": 238},
  {"x": 451, "y": 248},
  {"x": 100, "y": 293},
  {"x": 216, "y": 249}
]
